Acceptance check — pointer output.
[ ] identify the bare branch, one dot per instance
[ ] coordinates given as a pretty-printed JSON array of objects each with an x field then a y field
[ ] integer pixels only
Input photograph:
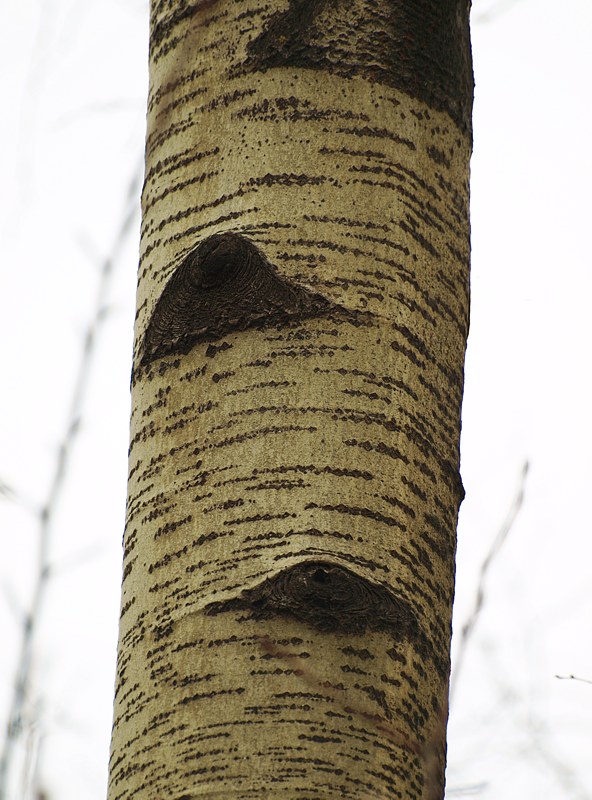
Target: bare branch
[
  {"x": 10, "y": 494},
  {"x": 31, "y": 618},
  {"x": 469, "y": 627},
  {"x": 473, "y": 790},
  {"x": 496, "y": 10},
  {"x": 564, "y": 774},
  {"x": 13, "y": 602},
  {"x": 572, "y": 678}
]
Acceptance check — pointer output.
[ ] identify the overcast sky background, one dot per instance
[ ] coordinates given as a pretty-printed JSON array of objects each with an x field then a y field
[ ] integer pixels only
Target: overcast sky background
[{"x": 71, "y": 142}]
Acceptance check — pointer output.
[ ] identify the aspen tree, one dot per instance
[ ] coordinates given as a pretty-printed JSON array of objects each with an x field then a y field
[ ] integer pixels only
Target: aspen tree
[{"x": 302, "y": 314}]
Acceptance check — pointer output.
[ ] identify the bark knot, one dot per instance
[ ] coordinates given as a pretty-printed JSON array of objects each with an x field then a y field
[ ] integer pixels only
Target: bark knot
[
  {"x": 224, "y": 284},
  {"x": 327, "y": 596}
]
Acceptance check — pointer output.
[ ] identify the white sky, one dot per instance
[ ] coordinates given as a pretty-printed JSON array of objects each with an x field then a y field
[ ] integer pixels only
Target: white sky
[{"x": 71, "y": 138}]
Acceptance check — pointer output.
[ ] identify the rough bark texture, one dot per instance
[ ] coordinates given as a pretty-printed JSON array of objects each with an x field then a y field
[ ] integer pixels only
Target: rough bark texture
[{"x": 298, "y": 369}]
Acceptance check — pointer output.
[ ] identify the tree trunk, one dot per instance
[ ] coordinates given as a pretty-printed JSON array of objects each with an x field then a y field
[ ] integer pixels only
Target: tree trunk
[{"x": 302, "y": 315}]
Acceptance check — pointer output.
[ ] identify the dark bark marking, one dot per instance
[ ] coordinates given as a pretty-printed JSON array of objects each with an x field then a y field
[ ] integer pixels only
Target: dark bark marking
[
  {"x": 439, "y": 156},
  {"x": 357, "y": 511},
  {"x": 379, "y": 697},
  {"x": 328, "y": 597},
  {"x": 364, "y": 653},
  {"x": 167, "y": 23},
  {"x": 224, "y": 284},
  {"x": 420, "y": 47}
]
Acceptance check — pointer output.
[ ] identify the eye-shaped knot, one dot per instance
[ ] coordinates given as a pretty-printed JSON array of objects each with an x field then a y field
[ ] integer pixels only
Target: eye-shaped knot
[
  {"x": 224, "y": 284},
  {"x": 329, "y": 597}
]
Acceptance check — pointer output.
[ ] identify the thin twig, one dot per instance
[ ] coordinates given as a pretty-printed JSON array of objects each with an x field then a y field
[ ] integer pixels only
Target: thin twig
[
  {"x": 15, "y": 725},
  {"x": 10, "y": 494},
  {"x": 495, "y": 11},
  {"x": 473, "y": 790},
  {"x": 572, "y": 678},
  {"x": 469, "y": 627},
  {"x": 563, "y": 773}
]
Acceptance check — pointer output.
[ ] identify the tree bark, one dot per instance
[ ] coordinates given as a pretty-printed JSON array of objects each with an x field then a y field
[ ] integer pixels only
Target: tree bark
[{"x": 302, "y": 313}]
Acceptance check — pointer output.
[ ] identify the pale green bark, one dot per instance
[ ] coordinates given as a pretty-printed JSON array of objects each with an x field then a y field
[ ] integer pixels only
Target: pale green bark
[{"x": 293, "y": 489}]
